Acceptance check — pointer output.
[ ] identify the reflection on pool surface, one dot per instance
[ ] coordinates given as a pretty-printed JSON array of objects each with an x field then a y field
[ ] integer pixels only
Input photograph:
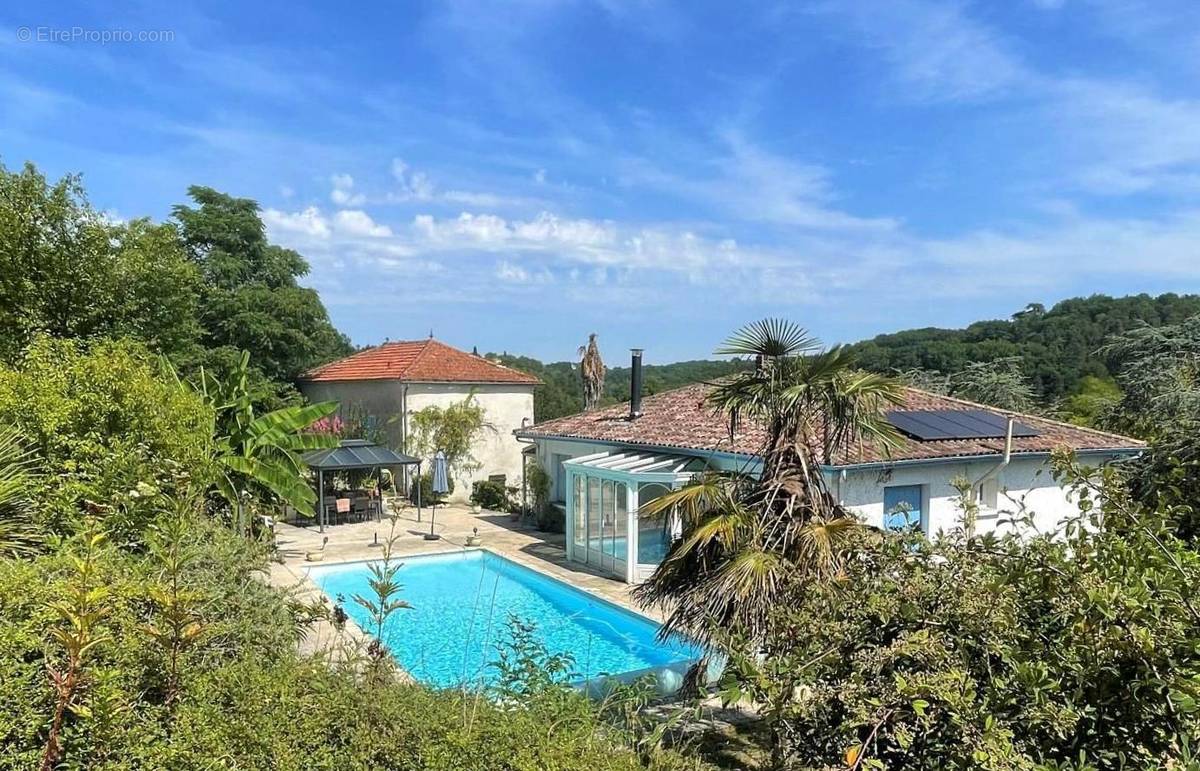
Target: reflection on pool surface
[{"x": 461, "y": 604}]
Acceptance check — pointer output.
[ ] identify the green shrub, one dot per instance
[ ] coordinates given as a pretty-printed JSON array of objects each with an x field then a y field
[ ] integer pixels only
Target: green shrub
[
  {"x": 427, "y": 494},
  {"x": 1075, "y": 651},
  {"x": 492, "y": 496},
  {"x": 110, "y": 425},
  {"x": 538, "y": 483}
]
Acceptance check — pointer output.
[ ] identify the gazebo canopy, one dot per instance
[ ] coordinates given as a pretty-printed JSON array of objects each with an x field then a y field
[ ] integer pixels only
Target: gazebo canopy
[{"x": 357, "y": 454}]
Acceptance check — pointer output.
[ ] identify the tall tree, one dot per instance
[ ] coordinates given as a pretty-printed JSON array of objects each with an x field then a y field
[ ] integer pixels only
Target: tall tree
[
  {"x": 745, "y": 537},
  {"x": 251, "y": 298},
  {"x": 592, "y": 371},
  {"x": 69, "y": 272}
]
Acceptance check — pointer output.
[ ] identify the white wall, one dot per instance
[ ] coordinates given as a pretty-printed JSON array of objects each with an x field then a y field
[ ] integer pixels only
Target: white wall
[
  {"x": 505, "y": 407},
  {"x": 1025, "y": 485}
]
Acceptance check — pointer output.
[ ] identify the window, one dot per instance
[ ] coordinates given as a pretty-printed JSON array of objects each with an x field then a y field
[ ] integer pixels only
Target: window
[
  {"x": 989, "y": 494},
  {"x": 902, "y": 508},
  {"x": 560, "y": 477},
  {"x": 654, "y": 533},
  {"x": 580, "y": 503}
]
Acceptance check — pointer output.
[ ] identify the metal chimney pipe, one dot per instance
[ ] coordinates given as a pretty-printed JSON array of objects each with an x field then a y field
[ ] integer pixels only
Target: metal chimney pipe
[{"x": 635, "y": 384}]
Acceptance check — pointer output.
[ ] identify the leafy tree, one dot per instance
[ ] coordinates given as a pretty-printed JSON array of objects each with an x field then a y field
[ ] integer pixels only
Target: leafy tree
[
  {"x": 454, "y": 430},
  {"x": 1057, "y": 346},
  {"x": 1159, "y": 376},
  {"x": 251, "y": 300},
  {"x": 746, "y": 538},
  {"x": 1092, "y": 403},
  {"x": 998, "y": 383},
  {"x": 257, "y": 455},
  {"x": 71, "y": 273}
]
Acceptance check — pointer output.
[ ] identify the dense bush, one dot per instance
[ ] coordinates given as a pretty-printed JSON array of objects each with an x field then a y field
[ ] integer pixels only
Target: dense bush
[
  {"x": 109, "y": 425},
  {"x": 490, "y": 495},
  {"x": 1075, "y": 651}
]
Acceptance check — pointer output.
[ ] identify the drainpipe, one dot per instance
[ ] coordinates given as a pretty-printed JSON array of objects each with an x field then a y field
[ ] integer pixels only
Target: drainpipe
[
  {"x": 525, "y": 459},
  {"x": 404, "y": 431},
  {"x": 993, "y": 472}
]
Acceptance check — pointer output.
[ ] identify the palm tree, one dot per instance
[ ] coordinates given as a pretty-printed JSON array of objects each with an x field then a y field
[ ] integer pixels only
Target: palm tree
[
  {"x": 746, "y": 537},
  {"x": 18, "y": 471},
  {"x": 592, "y": 370},
  {"x": 261, "y": 453}
]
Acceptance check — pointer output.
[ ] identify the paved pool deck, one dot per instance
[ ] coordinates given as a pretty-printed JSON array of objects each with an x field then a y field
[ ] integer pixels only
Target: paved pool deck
[{"x": 355, "y": 541}]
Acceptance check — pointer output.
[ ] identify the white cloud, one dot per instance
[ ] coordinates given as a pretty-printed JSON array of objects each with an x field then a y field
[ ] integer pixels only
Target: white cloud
[
  {"x": 414, "y": 185},
  {"x": 1126, "y": 139},
  {"x": 286, "y": 192},
  {"x": 935, "y": 50},
  {"x": 343, "y": 191},
  {"x": 359, "y": 223},
  {"x": 308, "y": 222}
]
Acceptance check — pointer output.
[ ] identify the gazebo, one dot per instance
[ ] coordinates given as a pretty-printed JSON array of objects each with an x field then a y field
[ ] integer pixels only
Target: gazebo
[{"x": 355, "y": 455}]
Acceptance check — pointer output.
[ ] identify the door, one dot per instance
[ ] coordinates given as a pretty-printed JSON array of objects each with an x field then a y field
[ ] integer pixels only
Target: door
[{"x": 902, "y": 508}]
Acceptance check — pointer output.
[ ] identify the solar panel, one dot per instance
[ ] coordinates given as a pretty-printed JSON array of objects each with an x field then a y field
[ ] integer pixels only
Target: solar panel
[{"x": 931, "y": 425}]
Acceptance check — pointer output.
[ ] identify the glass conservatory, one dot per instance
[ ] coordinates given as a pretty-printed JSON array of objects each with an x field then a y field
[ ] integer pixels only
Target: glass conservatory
[{"x": 605, "y": 491}]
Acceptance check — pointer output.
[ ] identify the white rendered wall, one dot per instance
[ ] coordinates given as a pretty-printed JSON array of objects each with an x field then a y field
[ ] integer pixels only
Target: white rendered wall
[
  {"x": 506, "y": 408},
  {"x": 1026, "y": 484}
]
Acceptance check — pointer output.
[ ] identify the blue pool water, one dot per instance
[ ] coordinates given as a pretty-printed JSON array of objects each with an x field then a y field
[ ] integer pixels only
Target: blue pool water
[{"x": 460, "y": 606}]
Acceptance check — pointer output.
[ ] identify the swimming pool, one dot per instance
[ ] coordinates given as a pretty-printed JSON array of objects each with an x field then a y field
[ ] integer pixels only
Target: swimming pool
[{"x": 461, "y": 603}]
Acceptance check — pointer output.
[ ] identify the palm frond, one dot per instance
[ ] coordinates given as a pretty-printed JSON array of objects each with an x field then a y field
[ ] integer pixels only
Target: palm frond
[
  {"x": 19, "y": 470},
  {"x": 769, "y": 337}
]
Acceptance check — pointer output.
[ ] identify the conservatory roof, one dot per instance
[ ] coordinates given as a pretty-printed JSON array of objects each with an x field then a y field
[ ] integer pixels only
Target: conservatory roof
[
  {"x": 356, "y": 454},
  {"x": 637, "y": 464}
]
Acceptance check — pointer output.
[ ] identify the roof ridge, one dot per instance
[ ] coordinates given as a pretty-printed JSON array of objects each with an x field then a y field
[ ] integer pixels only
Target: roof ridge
[
  {"x": 1017, "y": 413},
  {"x": 425, "y": 344},
  {"x": 320, "y": 367}
]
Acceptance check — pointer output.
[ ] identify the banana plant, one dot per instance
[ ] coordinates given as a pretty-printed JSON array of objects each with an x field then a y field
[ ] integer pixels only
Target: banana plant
[{"x": 253, "y": 453}]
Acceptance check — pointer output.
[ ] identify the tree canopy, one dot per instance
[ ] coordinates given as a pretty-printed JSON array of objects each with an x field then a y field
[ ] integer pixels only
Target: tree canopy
[
  {"x": 70, "y": 272},
  {"x": 250, "y": 298},
  {"x": 199, "y": 289}
]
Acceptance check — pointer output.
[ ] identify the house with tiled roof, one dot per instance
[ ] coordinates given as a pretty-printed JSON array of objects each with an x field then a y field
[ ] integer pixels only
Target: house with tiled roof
[
  {"x": 388, "y": 383},
  {"x": 607, "y": 463}
]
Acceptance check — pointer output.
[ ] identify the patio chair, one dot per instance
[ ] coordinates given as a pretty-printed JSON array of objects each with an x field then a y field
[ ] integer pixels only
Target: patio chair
[
  {"x": 343, "y": 508},
  {"x": 360, "y": 508}
]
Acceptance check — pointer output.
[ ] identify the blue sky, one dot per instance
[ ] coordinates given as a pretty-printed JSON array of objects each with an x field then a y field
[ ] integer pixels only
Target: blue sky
[{"x": 515, "y": 176}]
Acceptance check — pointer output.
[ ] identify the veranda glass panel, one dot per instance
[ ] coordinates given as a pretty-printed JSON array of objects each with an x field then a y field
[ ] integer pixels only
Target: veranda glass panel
[
  {"x": 594, "y": 514},
  {"x": 654, "y": 533},
  {"x": 621, "y": 522},
  {"x": 609, "y": 547},
  {"x": 580, "y": 512}
]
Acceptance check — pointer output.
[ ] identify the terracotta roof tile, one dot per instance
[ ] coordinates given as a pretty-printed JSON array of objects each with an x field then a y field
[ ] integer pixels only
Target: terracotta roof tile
[
  {"x": 680, "y": 419},
  {"x": 418, "y": 361}
]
